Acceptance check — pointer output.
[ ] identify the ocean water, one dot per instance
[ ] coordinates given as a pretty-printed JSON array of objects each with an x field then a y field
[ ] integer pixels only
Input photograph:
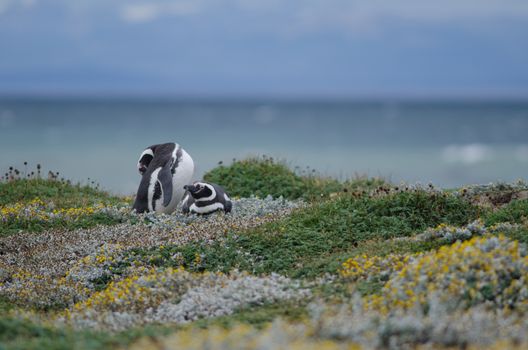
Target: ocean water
[{"x": 446, "y": 143}]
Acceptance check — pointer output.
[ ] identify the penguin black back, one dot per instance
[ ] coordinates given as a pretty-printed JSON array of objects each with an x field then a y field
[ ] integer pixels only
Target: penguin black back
[{"x": 157, "y": 164}]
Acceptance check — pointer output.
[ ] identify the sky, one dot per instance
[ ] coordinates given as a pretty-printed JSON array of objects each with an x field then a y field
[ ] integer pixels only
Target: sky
[{"x": 252, "y": 48}]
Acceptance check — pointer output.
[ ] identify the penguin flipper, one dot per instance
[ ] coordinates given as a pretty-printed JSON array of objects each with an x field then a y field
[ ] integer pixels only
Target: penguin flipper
[
  {"x": 185, "y": 203},
  {"x": 165, "y": 179}
]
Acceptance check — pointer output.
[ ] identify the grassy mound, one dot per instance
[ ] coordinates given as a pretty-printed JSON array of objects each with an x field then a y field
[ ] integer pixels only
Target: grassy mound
[
  {"x": 34, "y": 204},
  {"x": 263, "y": 176},
  {"x": 63, "y": 193}
]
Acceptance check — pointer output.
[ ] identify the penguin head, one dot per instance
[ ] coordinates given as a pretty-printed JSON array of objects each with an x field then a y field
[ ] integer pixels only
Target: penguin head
[
  {"x": 201, "y": 190},
  {"x": 145, "y": 158}
]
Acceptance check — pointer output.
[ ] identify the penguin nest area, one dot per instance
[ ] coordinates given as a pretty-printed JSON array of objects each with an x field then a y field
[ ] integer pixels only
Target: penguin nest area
[{"x": 381, "y": 267}]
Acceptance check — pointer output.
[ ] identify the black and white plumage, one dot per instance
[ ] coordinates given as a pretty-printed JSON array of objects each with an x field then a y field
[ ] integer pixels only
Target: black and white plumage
[
  {"x": 205, "y": 198},
  {"x": 164, "y": 169},
  {"x": 145, "y": 158}
]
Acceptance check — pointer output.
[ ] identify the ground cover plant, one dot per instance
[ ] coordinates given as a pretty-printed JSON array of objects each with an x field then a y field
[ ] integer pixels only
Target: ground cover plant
[
  {"x": 31, "y": 202},
  {"x": 263, "y": 176},
  {"x": 302, "y": 261}
]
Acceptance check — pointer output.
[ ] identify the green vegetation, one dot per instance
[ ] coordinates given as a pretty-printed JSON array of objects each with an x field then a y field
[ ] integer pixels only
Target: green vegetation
[
  {"x": 63, "y": 193},
  {"x": 263, "y": 176},
  {"x": 258, "y": 316},
  {"x": 22, "y": 334},
  {"x": 36, "y": 204},
  {"x": 5, "y": 305},
  {"x": 313, "y": 241},
  {"x": 514, "y": 212},
  {"x": 90, "y": 220},
  {"x": 19, "y": 334}
]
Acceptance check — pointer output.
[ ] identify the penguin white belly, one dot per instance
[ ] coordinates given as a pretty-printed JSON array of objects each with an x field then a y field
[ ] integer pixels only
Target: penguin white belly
[
  {"x": 182, "y": 176},
  {"x": 208, "y": 209}
]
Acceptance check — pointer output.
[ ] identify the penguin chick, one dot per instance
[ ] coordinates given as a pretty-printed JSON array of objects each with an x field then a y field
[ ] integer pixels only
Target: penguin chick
[
  {"x": 205, "y": 198},
  {"x": 164, "y": 169}
]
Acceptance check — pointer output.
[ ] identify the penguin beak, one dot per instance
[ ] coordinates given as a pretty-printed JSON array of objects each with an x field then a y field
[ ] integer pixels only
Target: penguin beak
[
  {"x": 142, "y": 169},
  {"x": 190, "y": 188}
]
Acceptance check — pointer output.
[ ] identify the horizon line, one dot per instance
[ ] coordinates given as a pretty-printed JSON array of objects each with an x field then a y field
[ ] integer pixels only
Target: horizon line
[{"x": 387, "y": 98}]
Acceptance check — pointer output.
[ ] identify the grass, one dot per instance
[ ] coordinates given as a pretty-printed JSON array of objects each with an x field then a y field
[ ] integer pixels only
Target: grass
[
  {"x": 263, "y": 176},
  {"x": 37, "y": 198},
  {"x": 313, "y": 241},
  {"x": 63, "y": 193},
  {"x": 18, "y": 333},
  {"x": 10, "y": 228},
  {"x": 513, "y": 212},
  {"x": 5, "y": 305},
  {"x": 520, "y": 234},
  {"x": 258, "y": 316},
  {"x": 21, "y": 334}
]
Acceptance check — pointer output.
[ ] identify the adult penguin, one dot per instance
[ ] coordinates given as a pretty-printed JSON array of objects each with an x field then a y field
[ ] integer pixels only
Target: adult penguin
[{"x": 165, "y": 169}]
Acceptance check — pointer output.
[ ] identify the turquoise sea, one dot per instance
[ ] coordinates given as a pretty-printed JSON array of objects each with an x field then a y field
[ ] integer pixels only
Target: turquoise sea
[{"x": 446, "y": 143}]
